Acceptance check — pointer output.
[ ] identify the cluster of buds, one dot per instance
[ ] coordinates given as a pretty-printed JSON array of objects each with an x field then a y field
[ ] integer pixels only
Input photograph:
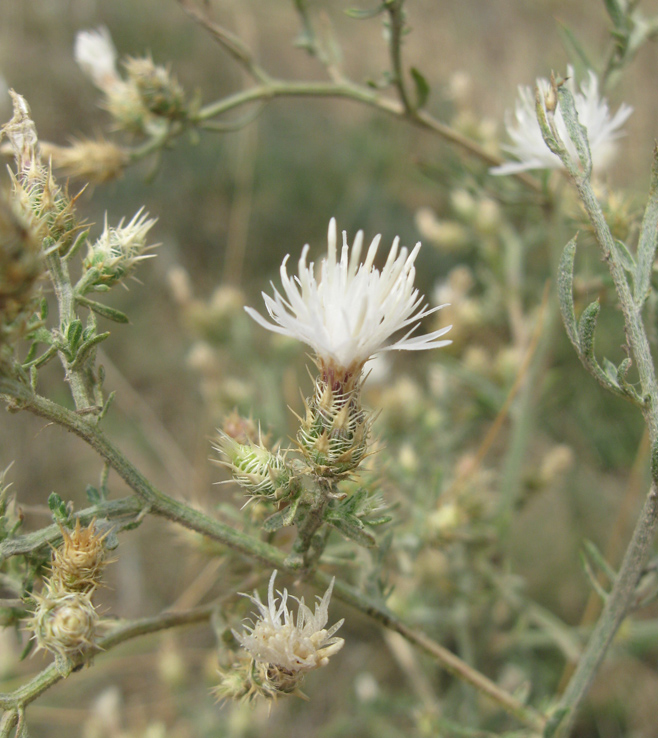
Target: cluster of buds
[
  {"x": 333, "y": 435},
  {"x": 64, "y": 621},
  {"x": 261, "y": 472},
  {"x": 283, "y": 649},
  {"x": 148, "y": 93},
  {"x": 116, "y": 252}
]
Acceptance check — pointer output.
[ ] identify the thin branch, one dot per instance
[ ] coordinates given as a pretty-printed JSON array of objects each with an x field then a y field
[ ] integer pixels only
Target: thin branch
[{"x": 227, "y": 40}]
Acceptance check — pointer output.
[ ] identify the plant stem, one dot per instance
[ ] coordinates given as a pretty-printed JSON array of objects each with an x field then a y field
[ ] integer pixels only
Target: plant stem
[
  {"x": 61, "y": 280},
  {"x": 177, "y": 511},
  {"x": 122, "y": 511}
]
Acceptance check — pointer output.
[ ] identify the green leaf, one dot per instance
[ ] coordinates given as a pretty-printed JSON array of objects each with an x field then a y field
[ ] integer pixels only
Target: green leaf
[
  {"x": 103, "y": 310},
  {"x": 93, "y": 495},
  {"x": 573, "y": 47},
  {"x": 610, "y": 370},
  {"x": 422, "y": 88},
  {"x": 617, "y": 12},
  {"x": 587, "y": 327},
  {"x": 648, "y": 241},
  {"x": 565, "y": 292},
  {"x": 577, "y": 132},
  {"x": 625, "y": 257},
  {"x": 79, "y": 241},
  {"x": 58, "y": 508},
  {"x": 283, "y": 518},
  {"x": 85, "y": 350},
  {"x": 365, "y": 14},
  {"x": 74, "y": 334},
  {"x": 351, "y": 527},
  {"x": 553, "y": 722}
]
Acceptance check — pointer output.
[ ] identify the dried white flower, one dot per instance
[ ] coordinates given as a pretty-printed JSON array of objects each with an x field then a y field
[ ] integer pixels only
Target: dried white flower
[
  {"x": 593, "y": 112},
  {"x": 97, "y": 57},
  {"x": 277, "y": 640},
  {"x": 352, "y": 310}
]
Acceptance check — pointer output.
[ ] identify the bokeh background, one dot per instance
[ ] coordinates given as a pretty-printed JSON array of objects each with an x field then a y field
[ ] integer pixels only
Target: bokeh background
[{"x": 229, "y": 207}]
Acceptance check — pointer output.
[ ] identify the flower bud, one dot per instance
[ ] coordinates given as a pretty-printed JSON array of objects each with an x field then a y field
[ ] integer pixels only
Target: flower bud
[
  {"x": 333, "y": 436},
  {"x": 160, "y": 93},
  {"x": 256, "y": 469},
  {"x": 116, "y": 252}
]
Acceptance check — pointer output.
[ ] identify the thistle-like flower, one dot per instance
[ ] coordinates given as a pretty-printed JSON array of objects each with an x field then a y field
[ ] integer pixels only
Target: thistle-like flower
[
  {"x": 349, "y": 313},
  {"x": 290, "y": 649},
  {"x": 77, "y": 565},
  {"x": 97, "y": 57},
  {"x": 528, "y": 146}
]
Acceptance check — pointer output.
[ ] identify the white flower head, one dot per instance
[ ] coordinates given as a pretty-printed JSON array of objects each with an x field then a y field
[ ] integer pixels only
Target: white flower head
[
  {"x": 350, "y": 311},
  {"x": 529, "y": 147},
  {"x": 297, "y": 647},
  {"x": 97, "y": 57}
]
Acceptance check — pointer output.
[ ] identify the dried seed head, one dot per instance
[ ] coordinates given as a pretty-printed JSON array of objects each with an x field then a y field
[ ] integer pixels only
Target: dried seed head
[
  {"x": 94, "y": 161},
  {"x": 63, "y": 623},
  {"x": 78, "y": 564}
]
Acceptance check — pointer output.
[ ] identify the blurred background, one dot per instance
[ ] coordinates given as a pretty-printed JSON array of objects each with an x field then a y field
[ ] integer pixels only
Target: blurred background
[{"x": 229, "y": 207}]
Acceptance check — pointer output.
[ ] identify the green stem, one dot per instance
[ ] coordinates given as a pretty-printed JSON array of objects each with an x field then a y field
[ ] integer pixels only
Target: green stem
[
  {"x": 122, "y": 511},
  {"x": 620, "y": 597},
  {"x": 61, "y": 280},
  {"x": 174, "y": 510}
]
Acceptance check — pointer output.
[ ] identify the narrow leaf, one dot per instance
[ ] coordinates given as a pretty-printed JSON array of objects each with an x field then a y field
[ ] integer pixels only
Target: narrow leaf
[
  {"x": 625, "y": 257},
  {"x": 577, "y": 132},
  {"x": 610, "y": 370},
  {"x": 646, "y": 247},
  {"x": 283, "y": 518},
  {"x": 352, "y": 528},
  {"x": 103, "y": 310},
  {"x": 565, "y": 292},
  {"x": 422, "y": 88},
  {"x": 587, "y": 327},
  {"x": 573, "y": 47},
  {"x": 84, "y": 351},
  {"x": 73, "y": 334},
  {"x": 365, "y": 14},
  {"x": 616, "y": 11}
]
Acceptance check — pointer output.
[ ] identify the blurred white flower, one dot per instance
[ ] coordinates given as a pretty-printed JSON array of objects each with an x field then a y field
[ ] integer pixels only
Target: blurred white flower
[
  {"x": 277, "y": 640},
  {"x": 593, "y": 112},
  {"x": 352, "y": 310},
  {"x": 97, "y": 57}
]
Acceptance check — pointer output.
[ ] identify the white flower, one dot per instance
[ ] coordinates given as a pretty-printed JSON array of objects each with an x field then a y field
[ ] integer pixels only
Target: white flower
[
  {"x": 97, "y": 57},
  {"x": 593, "y": 113},
  {"x": 352, "y": 310},
  {"x": 277, "y": 640}
]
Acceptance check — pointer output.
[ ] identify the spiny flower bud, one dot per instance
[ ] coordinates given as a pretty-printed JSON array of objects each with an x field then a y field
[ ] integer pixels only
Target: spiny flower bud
[
  {"x": 95, "y": 161},
  {"x": 333, "y": 436},
  {"x": 77, "y": 565},
  {"x": 259, "y": 471},
  {"x": 43, "y": 203},
  {"x": 116, "y": 252},
  {"x": 160, "y": 93},
  {"x": 63, "y": 623}
]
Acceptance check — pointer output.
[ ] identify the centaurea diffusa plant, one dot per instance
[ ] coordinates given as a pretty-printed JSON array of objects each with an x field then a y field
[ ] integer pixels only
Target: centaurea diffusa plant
[{"x": 449, "y": 564}]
